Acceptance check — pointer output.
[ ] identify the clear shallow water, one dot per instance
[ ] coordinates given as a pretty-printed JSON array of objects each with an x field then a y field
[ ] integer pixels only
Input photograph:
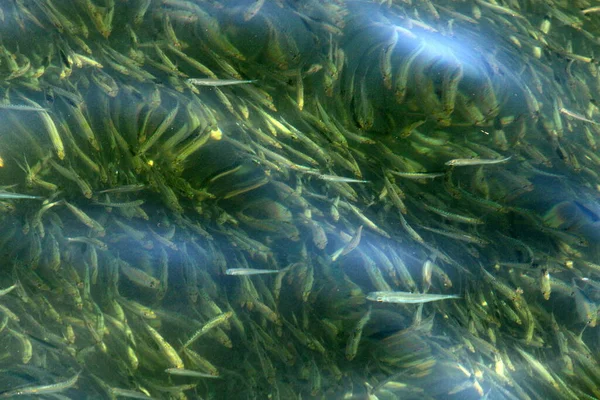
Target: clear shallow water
[{"x": 111, "y": 287}]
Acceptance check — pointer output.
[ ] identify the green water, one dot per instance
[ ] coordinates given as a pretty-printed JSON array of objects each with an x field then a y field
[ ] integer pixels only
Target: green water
[{"x": 340, "y": 148}]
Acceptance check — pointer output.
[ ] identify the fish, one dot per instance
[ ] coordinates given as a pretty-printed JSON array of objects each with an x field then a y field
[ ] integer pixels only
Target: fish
[
  {"x": 84, "y": 218},
  {"x": 538, "y": 367},
  {"x": 545, "y": 284},
  {"x": 353, "y": 243},
  {"x": 128, "y": 393},
  {"x": 211, "y": 324},
  {"x": 159, "y": 131},
  {"x": 461, "y": 162},
  {"x": 51, "y": 128},
  {"x": 5, "y": 195},
  {"x": 408, "y": 297},
  {"x": 124, "y": 189},
  {"x": 218, "y": 82},
  {"x": 454, "y": 217},
  {"x": 356, "y": 335},
  {"x": 417, "y": 175},
  {"x": 166, "y": 348},
  {"x": 586, "y": 309},
  {"x": 253, "y": 10},
  {"x": 72, "y": 175},
  {"x": 190, "y": 373},
  {"x": 459, "y": 236},
  {"x": 42, "y": 389},
  {"x": 500, "y": 9},
  {"x": 250, "y": 271},
  {"x": 574, "y": 115},
  {"x": 335, "y": 178},
  {"x": 23, "y": 107},
  {"x": 133, "y": 203},
  {"x": 589, "y": 10},
  {"x": 7, "y": 290},
  {"x": 138, "y": 276}
]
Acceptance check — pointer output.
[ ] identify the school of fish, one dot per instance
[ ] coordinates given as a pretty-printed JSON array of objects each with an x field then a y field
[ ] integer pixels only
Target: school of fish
[{"x": 250, "y": 199}]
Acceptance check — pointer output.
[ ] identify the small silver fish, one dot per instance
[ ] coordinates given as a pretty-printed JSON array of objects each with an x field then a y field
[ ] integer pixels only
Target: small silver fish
[
  {"x": 408, "y": 297},
  {"x": 462, "y": 162},
  {"x": 42, "y": 389},
  {"x": 250, "y": 271},
  {"x": 124, "y": 189},
  {"x": 572, "y": 114},
  {"x": 22, "y": 107},
  {"x": 335, "y": 178},
  {"x": 217, "y": 82},
  {"x": 9, "y": 195},
  {"x": 188, "y": 372},
  {"x": 7, "y": 290}
]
